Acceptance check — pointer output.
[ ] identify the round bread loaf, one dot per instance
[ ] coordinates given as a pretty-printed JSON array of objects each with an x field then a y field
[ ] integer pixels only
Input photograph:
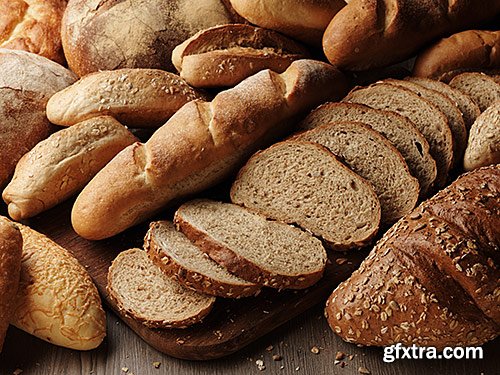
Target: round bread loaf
[
  {"x": 107, "y": 35},
  {"x": 33, "y": 26}
]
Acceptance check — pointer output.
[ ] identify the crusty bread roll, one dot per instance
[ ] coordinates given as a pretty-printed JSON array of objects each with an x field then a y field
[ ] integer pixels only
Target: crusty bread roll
[
  {"x": 26, "y": 83},
  {"x": 140, "y": 98},
  {"x": 200, "y": 145},
  {"x": 225, "y": 55},
  {"x": 62, "y": 164},
  {"x": 33, "y": 26},
  {"x": 470, "y": 50},
  {"x": 57, "y": 300},
  {"x": 375, "y": 33},
  {"x": 111, "y": 34},
  {"x": 11, "y": 244},
  {"x": 305, "y": 20}
]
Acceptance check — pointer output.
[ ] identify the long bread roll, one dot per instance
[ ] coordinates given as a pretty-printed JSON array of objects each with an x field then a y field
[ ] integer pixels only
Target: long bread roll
[{"x": 200, "y": 145}]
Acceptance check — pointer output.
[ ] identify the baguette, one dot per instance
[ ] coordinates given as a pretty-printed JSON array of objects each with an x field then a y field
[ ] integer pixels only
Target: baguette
[
  {"x": 200, "y": 145},
  {"x": 11, "y": 244},
  {"x": 56, "y": 168},
  {"x": 140, "y": 98},
  {"x": 471, "y": 50}
]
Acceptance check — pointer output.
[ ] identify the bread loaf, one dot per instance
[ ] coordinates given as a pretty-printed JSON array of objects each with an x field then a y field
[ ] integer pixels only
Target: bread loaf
[
  {"x": 225, "y": 55},
  {"x": 199, "y": 146},
  {"x": 431, "y": 280},
  {"x": 57, "y": 300},
  {"x": 375, "y": 33},
  {"x": 140, "y": 98},
  {"x": 107, "y": 35},
  {"x": 59, "y": 166},
  {"x": 470, "y": 50},
  {"x": 11, "y": 244},
  {"x": 483, "y": 147}
]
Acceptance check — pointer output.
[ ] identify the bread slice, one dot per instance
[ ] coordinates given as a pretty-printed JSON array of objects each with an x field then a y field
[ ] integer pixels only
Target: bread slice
[
  {"x": 449, "y": 109},
  {"x": 465, "y": 104},
  {"x": 427, "y": 117},
  {"x": 374, "y": 158},
  {"x": 141, "y": 291},
  {"x": 265, "y": 252},
  {"x": 399, "y": 130},
  {"x": 179, "y": 258},
  {"x": 482, "y": 89},
  {"x": 304, "y": 183}
]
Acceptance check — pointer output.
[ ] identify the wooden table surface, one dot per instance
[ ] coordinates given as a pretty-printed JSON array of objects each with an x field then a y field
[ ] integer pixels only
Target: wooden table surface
[{"x": 293, "y": 341}]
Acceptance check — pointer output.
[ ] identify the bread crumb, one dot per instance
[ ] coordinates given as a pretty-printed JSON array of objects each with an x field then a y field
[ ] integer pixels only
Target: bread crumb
[
  {"x": 156, "y": 364},
  {"x": 17, "y": 371},
  {"x": 364, "y": 371},
  {"x": 351, "y": 357},
  {"x": 297, "y": 368},
  {"x": 340, "y": 261},
  {"x": 260, "y": 364},
  {"x": 339, "y": 356},
  {"x": 315, "y": 350},
  {"x": 277, "y": 357},
  {"x": 124, "y": 369},
  {"x": 269, "y": 348}
]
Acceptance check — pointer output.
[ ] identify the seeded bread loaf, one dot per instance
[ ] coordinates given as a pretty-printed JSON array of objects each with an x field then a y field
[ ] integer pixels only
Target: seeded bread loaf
[
  {"x": 399, "y": 130},
  {"x": 483, "y": 89},
  {"x": 226, "y": 55},
  {"x": 450, "y": 296},
  {"x": 11, "y": 244},
  {"x": 141, "y": 291},
  {"x": 200, "y": 145},
  {"x": 180, "y": 259},
  {"x": 483, "y": 147},
  {"x": 305, "y": 184},
  {"x": 374, "y": 158},
  {"x": 427, "y": 118}
]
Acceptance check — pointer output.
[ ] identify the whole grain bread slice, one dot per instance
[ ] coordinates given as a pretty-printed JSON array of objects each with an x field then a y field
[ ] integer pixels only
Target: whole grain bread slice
[
  {"x": 179, "y": 258},
  {"x": 264, "y": 252},
  {"x": 374, "y": 158},
  {"x": 482, "y": 89},
  {"x": 141, "y": 291},
  {"x": 427, "y": 118},
  {"x": 305, "y": 184},
  {"x": 399, "y": 130}
]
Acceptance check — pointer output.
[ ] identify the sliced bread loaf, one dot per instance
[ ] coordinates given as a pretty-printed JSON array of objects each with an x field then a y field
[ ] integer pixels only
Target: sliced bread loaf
[
  {"x": 482, "y": 89},
  {"x": 265, "y": 252},
  {"x": 141, "y": 291},
  {"x": 427, "y": 118},
  {"x": 304, "y": 183},
  {"x": 465, "y": 104},
  {"x": 399, "y": 130},
  {"x": 179, "y": 258},
  {"x": 374, "y": 158}
]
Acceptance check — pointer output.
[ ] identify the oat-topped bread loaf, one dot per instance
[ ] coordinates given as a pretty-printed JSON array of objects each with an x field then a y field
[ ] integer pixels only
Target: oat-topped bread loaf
[
  {"x": 432, "y": 280},
  {"x": 481, "y": 88},
  {"x": 374, "y": 158},
  {"x": 426, "y": 116},
  {"x": 305, "y": 184},
  {"x": 186, "y": 263},
  {"x": 399, "y": 130},
  {"x": 262, "y": 251},
  {"x": 141, "y": 291}
]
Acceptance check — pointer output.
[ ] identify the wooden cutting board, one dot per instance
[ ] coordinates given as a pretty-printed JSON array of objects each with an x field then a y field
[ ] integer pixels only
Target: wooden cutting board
[{"x": 231, "y": 325}]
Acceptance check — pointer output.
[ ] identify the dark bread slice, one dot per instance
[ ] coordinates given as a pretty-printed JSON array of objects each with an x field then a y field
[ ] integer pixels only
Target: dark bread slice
[
  {"x": 427, "y": 118},
  {"x": 304, "y": 183},
  {"x": 482, "y": 89},
  {"x": 140, "y": 290},
  {"x": 248, "y": 245},
  {"x": 465, "y": 104},
  {"x": 179, "y": 258},
  {"x": 374, "y": 158},
  {"x": 399, "y": 130}
]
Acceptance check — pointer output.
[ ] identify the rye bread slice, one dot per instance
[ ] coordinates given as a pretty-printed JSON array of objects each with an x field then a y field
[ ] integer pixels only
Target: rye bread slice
[
  {"x": 482, "y": 89},
  {"x": 142, "y": 292},
  {"x": 374, "y": 158},
  {"x": 179, "y": 258},
  {"x": 465, "y": 104},
  {"x": 427, "y": 118},
  {"x": 264, "y": 252},
  {"x": 399, "y": 130},
  {"x": 449, "y": 109},
  {"x": 305, "y": 184}
]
